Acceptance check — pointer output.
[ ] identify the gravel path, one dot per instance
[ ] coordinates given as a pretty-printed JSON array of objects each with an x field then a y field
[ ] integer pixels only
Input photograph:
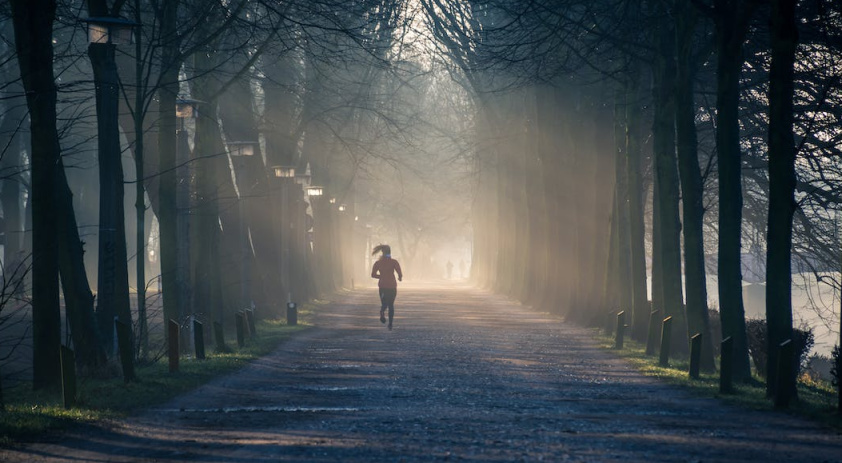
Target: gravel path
[{"x": 464, "y": 376}]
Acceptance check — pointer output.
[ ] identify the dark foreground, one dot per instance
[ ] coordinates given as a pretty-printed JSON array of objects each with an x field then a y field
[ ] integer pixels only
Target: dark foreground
[{"x": 464, "y": 376}]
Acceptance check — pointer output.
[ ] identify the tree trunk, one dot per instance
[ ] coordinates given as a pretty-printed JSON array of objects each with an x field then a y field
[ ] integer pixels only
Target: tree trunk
[
  {"x": 636, "y": 211},
  {"x": 691, "y": 184},
  {"x": 213, "y": 180},
  {"x": 14, "y": 118},
  {"x": 140, "y": 197},
  {"x": 78, "y": 299},
  {"x": 168, "y": 181},
  {"x": 35, "y": 58},
  {"x": 621, "y": 188},
  {"x": 729, "y": 39},
  {"x": 782, "y": 204},
  {"x": 666, "y": 172}
]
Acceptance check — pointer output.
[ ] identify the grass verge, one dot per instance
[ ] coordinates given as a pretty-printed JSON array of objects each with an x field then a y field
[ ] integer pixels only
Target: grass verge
[
  {"x": 816, "y": 399},
  {"x": 29, "y": 414}
]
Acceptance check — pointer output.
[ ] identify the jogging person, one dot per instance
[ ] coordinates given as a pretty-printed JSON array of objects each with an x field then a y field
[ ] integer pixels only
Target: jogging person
[{"x": 384, "y": 270}]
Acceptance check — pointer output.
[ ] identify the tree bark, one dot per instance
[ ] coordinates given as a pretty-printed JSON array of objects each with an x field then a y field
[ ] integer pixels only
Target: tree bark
[
  {"x": 731, "y": 27},
  {"x": 35, "y": 58},
  {"x": 14, "y": 118},
  {"x": 691, "y": 185},
  {"x": 168, "y": 181},
  {"x": 621, "y": 188},
  {"x": 666, "y": 172},
  {"x": 782, "y": 180},
  {"x": 637, "y": 228}
]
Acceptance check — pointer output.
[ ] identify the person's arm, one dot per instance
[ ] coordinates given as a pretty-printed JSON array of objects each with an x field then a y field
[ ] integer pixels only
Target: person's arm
[
  {"x": 374, "y": 273},
  {"x": 398, "y": 269}
]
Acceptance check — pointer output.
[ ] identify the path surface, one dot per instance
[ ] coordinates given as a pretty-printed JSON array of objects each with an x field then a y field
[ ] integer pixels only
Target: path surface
[{"x": 464, "y": 376}]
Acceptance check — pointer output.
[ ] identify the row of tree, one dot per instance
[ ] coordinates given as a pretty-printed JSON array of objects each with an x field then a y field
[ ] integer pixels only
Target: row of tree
[
  {"x": 617, "y": 140},
  {"x": 314, "y": 86}
]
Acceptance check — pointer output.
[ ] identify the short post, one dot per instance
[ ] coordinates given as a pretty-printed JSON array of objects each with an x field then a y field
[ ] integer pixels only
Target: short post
[
  {"x": 241, "y": 334},
  {"x": 172, "y": 333},
  {"x": 666, "y": 336},
  {"x": 652, "y": 334},
  {"x": 124, "y": 345},
  {"x": 695, "y": 355},
  {"x": 786, "y": 365},
  {"x": 621, "y": 324},
  {"x": 250, "y": 319},
  {"x": 292, "y": 313},
  {"x": 67, "y": 359},
  {"x": 199, "y": 339},
  {"x": 219, "y": 337},
  {"x": 726, "y": 366}
]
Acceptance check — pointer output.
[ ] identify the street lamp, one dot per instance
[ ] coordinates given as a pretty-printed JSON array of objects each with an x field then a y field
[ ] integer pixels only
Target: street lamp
[
  {"x": 333, "y": 200},
  {"x": 284, "y": 171},
  {"x": 104, "y": 34},
  {"x": 342, "y": 208},
  {"x": 185, "y": 108},
  {"x": 104, "y": 29},
  {"x": 315, "y": 191},
  {"x": 242, "y": 148}
]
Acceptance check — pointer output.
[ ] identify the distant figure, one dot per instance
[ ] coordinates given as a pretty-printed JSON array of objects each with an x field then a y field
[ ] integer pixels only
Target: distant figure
[
  {"x": 462, "y": 269},
  {"x": 449, "y": 267},
  {"x": 384, "y": 270}
]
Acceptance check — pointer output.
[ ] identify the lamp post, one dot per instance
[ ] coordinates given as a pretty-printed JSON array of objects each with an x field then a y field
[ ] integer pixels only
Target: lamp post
[
  {"x": 185, "y": 110},
  {"x": 240, "y": 151},
  {"x": 341, "y": 241},
  {"x": 320, "y": 242},
  {"x": 285, "y": 176},
  {"x": 104, "y": 34}
]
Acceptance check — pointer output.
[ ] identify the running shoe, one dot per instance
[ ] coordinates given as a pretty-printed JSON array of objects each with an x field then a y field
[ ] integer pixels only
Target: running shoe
[{"x": 382, "y": 317}]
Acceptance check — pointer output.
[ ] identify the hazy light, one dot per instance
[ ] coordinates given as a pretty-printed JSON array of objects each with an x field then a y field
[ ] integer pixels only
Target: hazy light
[
  {"x": 242, "y": 148},
  {"x": 116, "y": 31},
  {"x": 284, "y": 171},
  {"x": 315, "y": 191}
]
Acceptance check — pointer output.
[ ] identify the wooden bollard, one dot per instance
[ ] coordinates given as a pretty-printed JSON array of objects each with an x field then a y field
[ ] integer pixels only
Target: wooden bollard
[
  {"x": 172, "y": 342},
  {"x": 199, "y": 339},
  {"x": 666, "y": 336},
  {"x": 621, "y": 325},
  {"x": 695, "y": 354},
  {"x": 250, "y": 320},
  {"x": 124, "y": 345},
  {"x": 292, "y": 313},
  {"x": 239, "y": 319},
  {"x": 652, "y": 334},
  {"x": 786, "y": 365},
  {"x": 726, "y": 366},
  {"x": 219, "y": 337},
  {"x": 67, "y": 359}
]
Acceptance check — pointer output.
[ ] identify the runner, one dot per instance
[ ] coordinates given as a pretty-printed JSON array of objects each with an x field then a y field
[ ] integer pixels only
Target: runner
[{"x": 384, "y": 270}]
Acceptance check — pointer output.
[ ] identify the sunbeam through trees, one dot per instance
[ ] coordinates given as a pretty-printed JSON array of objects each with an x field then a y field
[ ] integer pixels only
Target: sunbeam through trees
[{"x": 207, "y": 163}]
